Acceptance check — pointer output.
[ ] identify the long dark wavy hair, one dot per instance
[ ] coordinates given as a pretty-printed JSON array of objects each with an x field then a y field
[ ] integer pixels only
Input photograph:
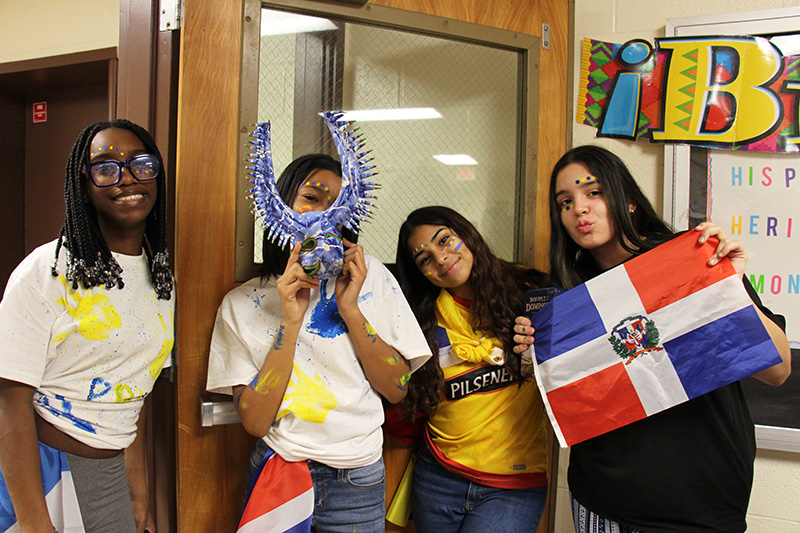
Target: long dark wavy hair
[
  {"x": 293, "y": 176},
  {"x": 637, "y": 232},
  {"x": 498, "y": 285},
  {"x": 89, "y": 260}
]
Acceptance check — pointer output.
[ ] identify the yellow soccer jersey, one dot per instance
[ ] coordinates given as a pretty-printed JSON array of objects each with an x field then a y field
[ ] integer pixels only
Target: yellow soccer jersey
[{"x": 487, "y": 428}]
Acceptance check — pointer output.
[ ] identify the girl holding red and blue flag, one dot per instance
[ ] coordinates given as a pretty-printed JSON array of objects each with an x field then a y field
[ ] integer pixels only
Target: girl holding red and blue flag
[
  {"x": 689, "y": 467},
  {"x": 482, "y": 462}
]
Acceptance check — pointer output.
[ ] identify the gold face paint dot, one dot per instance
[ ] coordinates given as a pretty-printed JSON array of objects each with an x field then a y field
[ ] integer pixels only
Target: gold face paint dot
[
  {"x": 584, "y": 180},
  {"x": 317, "y": 184}
]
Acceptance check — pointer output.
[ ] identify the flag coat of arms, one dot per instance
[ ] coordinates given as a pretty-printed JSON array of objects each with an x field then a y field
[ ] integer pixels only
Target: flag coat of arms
[{"x": 649, "y": 334}]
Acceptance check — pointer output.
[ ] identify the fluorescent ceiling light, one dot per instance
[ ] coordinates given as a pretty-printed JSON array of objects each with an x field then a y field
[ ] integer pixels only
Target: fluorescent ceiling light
[
  {"x": 455, "y": 159},
  {"x": 280, "y": 23},
  {"x": 415, "y": 113}
]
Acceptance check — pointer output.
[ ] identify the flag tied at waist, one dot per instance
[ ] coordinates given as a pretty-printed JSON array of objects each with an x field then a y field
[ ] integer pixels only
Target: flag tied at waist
[
  {"x": 647, "y": 335},
  {"x": 281, "y": 498}
]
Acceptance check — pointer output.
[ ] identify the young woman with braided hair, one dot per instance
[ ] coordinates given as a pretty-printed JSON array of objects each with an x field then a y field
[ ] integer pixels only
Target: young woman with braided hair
[
  {"x": 91, "y": 261},
  {"x": 88, "y": 326}
]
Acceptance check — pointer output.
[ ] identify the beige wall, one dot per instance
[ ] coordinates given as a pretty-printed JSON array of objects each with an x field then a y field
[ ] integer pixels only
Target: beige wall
[
  {"x": 775, "y": 503},
  {"x": 32, "y": 29}
]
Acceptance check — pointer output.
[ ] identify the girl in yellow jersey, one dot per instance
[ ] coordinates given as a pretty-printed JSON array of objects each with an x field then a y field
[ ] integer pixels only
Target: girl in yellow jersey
[{"x": 482, "y": 461}]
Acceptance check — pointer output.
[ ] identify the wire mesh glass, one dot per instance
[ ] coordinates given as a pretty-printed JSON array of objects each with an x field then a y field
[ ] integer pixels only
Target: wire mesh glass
[{"x": 474, "y": 90}]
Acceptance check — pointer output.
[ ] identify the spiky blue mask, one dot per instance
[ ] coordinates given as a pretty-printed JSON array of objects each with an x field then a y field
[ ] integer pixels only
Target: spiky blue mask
[{"x": 319, "y": 232}]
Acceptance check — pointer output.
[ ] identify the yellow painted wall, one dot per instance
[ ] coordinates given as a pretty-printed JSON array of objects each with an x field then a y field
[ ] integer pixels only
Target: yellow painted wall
[{"x": 32, "y": 29}]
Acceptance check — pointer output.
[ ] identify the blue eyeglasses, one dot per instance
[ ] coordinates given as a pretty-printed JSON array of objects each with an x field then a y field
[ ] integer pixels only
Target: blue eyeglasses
[{"x": 144, "y": 167}]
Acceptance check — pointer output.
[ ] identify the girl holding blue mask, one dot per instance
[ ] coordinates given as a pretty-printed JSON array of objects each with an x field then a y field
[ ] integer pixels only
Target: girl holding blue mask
[{"x": 308, "y": 361}]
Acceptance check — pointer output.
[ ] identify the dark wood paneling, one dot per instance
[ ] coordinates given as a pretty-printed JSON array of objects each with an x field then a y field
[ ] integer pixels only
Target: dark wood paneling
[
  {"x": 145, "y": 81},
  {"x": 47, "y": 147},
  {"x": 12, "y": 177},
  {"x": 138, "y": 24},
  {"x": 63, "y": 71}
]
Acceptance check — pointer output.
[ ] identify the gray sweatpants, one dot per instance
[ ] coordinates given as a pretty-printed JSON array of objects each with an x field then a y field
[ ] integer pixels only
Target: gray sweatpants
[{"x": 103, "y": 495}]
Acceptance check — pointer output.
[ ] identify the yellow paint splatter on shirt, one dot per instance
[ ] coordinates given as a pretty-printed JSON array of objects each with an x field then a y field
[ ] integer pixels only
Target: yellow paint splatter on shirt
[
  {"x": 95, "y": 314},
  {"x": 163, "y": 353},
  {"x": 123, "y": 393},
  {"x": 310, "y": 399}
]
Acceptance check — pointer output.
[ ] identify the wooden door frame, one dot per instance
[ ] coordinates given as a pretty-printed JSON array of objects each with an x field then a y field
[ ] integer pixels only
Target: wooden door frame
[
  {"x": 211, "y": 460},
  {"x": 146, "y": 93}
]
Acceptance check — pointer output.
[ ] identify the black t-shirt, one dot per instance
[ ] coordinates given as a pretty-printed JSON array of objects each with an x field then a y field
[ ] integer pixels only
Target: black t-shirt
[{"x": 688, "y": 468}]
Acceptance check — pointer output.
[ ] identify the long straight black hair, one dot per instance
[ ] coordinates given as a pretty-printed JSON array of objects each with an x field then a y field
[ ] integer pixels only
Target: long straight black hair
[
  {"x": 89, "y": 260},
  {"x": 636, "y": 232}
]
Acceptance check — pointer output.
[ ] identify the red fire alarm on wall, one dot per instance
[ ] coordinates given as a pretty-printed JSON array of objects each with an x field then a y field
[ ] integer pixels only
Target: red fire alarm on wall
[{"x": 39, "y": 112}]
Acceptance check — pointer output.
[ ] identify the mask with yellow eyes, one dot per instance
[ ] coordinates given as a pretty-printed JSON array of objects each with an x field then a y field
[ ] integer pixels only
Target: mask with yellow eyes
[{"x": 319, "y": 234}]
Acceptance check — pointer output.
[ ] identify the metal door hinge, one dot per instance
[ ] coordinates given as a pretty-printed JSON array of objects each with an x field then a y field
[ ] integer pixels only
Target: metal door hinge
[
  {"x": 546, "y": 36},
  {"x": 170, "y": 13}
]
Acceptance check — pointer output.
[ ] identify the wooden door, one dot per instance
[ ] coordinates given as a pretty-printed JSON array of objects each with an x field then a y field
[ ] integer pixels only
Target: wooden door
[{"x": 211, "y": 461}]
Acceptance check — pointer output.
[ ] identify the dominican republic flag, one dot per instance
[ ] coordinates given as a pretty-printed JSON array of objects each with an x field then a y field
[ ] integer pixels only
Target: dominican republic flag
[
  {"x": 59, "y": 493},
  {"x": 281, "y": 498},
  {"x": 649, "y": 334}
]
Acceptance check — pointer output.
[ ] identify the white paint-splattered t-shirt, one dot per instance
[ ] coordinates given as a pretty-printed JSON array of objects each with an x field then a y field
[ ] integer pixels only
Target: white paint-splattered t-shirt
[
  {"x": 330, "y": 413},
  {"x": 92, "y": 355}
]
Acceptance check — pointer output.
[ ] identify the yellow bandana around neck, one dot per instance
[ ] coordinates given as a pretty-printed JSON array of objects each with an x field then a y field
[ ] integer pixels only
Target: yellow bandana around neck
[{"x": 464, "y": 341}]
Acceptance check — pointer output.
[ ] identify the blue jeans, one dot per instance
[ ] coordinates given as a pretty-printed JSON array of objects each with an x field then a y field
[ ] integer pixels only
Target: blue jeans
[
  {"x": 345, "y": 500},
  {"x": 444, "y": 502}
]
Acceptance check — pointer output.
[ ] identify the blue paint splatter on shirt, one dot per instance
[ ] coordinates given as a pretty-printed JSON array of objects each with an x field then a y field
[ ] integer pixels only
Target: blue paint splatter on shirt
[
  {"x": 393, "y": 286},
  {"x": 364, "y": 297},
  {"x": 256, "y": 299},
  {"x": 98, "y": 388},
  {"x": 325, "y": 318},
  {"x": 65, "y": 411}
]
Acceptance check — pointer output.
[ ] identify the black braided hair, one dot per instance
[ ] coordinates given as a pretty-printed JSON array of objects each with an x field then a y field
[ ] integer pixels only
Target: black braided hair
[{"x": 89, "y": 260}]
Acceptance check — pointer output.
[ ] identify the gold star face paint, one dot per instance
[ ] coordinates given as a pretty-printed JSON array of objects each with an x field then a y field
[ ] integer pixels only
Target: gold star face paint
[
  {"x": 106, "y": 149},
  {"x": 321, "y": 186},
  {"x": 440, "y": 255}
]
